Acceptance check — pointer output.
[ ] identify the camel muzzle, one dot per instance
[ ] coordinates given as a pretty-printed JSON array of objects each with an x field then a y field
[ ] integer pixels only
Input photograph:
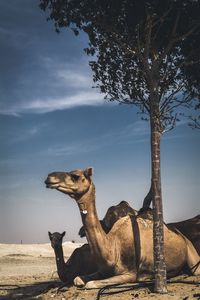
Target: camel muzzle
[{"x": 50, "y": 184}]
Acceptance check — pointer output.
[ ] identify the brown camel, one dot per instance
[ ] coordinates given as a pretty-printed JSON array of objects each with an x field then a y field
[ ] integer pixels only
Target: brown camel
[
  {"x": 191, "y": 229},
  {"x": 79, "y": 263},
  {"x": 81, "y": 232},
  {"x": 125, "y": 254},
  {"x": 113, "y": 214}
]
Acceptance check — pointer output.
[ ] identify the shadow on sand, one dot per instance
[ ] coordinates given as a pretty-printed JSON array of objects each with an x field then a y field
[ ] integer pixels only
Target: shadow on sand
[{"x": 28, "y": 291}]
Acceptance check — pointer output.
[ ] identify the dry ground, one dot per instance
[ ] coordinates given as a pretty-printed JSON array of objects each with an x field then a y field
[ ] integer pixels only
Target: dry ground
[{"x": 28, "y": 272}]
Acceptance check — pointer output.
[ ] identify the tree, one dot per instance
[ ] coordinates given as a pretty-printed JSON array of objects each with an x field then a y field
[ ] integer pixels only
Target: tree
[{"x": 145, "y": 53}]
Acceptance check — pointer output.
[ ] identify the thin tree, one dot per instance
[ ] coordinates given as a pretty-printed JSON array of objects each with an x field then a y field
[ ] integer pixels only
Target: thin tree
[{"x": 145, "y": 53}]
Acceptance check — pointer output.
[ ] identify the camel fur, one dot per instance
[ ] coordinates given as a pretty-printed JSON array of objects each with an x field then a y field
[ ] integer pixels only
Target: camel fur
[
  {"x": 113, "y": 214},
  {"x": 125, "y": 254},
  {"x": 191, "y": 229}
]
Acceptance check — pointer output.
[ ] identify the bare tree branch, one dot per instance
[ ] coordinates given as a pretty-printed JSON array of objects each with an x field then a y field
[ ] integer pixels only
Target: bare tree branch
[
  {"x": 168, "y": 99},
  {"x": 195, "y": 122}
]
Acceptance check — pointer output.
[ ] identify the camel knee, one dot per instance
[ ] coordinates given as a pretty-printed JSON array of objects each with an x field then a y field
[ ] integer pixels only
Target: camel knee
[{"x": 78, "y": 281}]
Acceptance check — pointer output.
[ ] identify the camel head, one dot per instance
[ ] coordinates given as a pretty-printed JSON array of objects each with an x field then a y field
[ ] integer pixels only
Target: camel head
[
  {"x": 75, "y": 183},
  {"x": 56, "y": 239}
]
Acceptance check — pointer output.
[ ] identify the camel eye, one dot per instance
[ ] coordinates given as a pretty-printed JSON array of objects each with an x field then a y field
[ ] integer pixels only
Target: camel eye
[{"x": 75, "y": 177}]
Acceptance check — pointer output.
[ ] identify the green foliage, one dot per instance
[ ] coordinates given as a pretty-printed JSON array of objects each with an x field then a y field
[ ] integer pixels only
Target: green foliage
[{"x": 142, "y": 50}]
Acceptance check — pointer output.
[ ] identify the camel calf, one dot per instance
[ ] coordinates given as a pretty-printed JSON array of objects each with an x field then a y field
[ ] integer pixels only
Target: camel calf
[{"x": 79, "y": 263}]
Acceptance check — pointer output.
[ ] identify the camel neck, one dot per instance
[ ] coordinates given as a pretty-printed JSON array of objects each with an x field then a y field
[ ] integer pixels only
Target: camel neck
[
  {"x": 59, "y": 260},
  {"x": 95, "y": 235}
]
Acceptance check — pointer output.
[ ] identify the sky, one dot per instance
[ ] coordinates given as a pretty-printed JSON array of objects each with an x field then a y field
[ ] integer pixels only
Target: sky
[{"x": 51, "y": 119}]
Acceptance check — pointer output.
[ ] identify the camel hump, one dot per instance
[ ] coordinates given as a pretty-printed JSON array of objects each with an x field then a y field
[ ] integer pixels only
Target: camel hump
[
  {"x": 116, "y": 212},
  {"x": 123, "y": 202}
]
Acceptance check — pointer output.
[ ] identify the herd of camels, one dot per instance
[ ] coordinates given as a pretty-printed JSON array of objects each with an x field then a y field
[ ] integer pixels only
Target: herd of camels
[{"x": 120, "y": 247}]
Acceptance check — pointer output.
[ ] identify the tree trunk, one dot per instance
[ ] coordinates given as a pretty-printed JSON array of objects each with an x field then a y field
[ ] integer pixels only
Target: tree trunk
[{"x": 158, "y": 234}]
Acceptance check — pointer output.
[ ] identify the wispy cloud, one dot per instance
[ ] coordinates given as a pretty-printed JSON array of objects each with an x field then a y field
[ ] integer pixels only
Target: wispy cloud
[
  {"x": 136, "y": 132},
  {"x": 74, "y": 78},
  {"x": 68, "y": 86},
  {"x": 26, "y": 134},
  {"x": 18, "y": 135},
  {"x": 52, "y": 104},
  {"x": 71, "y": 149}
]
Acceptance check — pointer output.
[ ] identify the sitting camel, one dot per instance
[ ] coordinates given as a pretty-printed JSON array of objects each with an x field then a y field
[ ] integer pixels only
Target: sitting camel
[
  {"x": 79, "y": 263},
  {"x": 191, "y": 229},
  {"x": 125, "y": 254},
  {"x": 113, "y": 214}
]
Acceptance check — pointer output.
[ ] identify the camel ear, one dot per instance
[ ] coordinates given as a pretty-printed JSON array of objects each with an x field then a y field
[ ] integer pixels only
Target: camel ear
[
  {"x": 50, "y": 234},
  {"x": 88, "y": 172},
  {"x": 63, "y": 234}
]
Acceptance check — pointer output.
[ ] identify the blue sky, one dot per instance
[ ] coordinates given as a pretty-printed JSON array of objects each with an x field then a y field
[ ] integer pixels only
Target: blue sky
[{"x": 51, "y": 119}]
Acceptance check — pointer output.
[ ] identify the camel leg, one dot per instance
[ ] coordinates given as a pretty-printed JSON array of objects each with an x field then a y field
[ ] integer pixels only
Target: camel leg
[
  {"x": 83, "y": 279},
  {"x": 193, "y": 259},
  {"x": 118, "y": 279}
]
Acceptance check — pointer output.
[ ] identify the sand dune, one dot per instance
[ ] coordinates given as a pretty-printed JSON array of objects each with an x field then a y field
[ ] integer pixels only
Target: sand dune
[{"x": 36, "y": 250}]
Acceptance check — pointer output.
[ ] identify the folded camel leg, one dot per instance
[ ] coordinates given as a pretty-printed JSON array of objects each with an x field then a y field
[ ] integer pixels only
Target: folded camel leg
[{"x": 92, "y": 281}]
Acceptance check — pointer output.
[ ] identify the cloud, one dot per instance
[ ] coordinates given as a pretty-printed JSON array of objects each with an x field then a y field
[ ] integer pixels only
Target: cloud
[
  {"x": 25, "y": 134},
  {"x": 52, "y": 104},
  {"x": 70, "y": 149},
  {"x": 51, "y": 86},
  {"x": 136, "y": 132},
  {"x": 74, "y": 78},
  {"x": 41, "y": 71}
]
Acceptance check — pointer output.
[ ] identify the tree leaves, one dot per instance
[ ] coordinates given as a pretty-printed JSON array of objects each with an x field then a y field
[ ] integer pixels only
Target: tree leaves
[{"x": 139, "y": 46}]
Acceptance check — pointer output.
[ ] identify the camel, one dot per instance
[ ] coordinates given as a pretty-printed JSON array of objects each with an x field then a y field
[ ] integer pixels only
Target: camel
[
  {"x": 191, "y": 229},
  {"x": 113, "y": 214},
  {"x": 79, "y": 263},
  {"x": 125, "y": 254},
  {"x": 81, "y": 232}
]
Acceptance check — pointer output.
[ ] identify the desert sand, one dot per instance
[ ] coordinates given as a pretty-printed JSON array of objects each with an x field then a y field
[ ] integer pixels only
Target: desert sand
[{"x": 29, "y": 272}]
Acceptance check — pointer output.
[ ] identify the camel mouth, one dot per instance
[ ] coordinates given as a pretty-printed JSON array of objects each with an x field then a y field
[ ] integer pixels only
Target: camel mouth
[{"x": 50, "y": 184}]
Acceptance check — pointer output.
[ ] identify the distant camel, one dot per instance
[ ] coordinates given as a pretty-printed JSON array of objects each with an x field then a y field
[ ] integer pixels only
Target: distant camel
[
  {"x": 79, "y": 263},
  {"x": 113, "y": 214},
  {"x": 191, "y": 229},
  {"x": 125, "y": 254}
]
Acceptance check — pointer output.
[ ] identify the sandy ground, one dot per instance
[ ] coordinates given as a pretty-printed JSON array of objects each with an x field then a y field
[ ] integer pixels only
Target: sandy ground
[{"x": 29, "y": 272}]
